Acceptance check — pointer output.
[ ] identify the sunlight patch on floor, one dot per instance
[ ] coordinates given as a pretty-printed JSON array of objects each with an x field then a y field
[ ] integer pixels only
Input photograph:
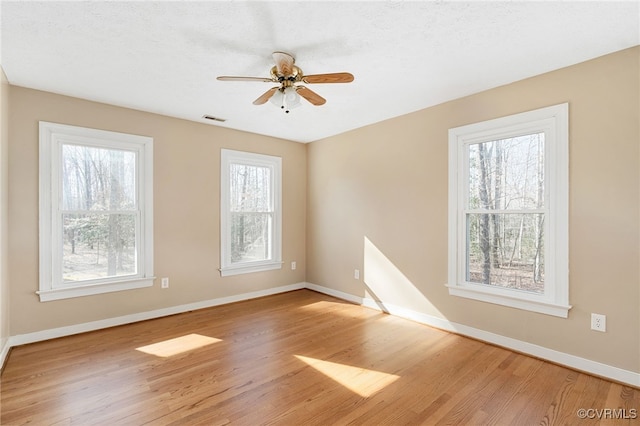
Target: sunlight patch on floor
[
  {"x": 362, "y": 381},
  {"x": 178, "y": 345},
  {"x": 337, "y": 308},
  {"x": 318, "y": 306}
]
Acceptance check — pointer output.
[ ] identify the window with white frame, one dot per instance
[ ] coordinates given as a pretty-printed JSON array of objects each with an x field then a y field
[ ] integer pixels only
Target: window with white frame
[
  {"x": 250, "y": 212},
  {"x": 508, "y": 211},
  {"x": 96, "y": 211}
]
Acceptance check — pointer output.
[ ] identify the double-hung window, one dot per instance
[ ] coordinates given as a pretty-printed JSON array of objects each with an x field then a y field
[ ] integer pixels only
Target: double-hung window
[
  {"x": 96, "y": 217},
  {"x": 250, "y": 212},
  {"x": 508, "y": 211}
]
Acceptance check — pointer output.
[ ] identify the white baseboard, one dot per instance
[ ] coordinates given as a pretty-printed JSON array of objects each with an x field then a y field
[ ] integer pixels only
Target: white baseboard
[
  {"x": 572, "y": 361},
  {"x": 568, "y": 360},
  {"x": 4, "y": 350},
  {"x": 23, "y": 339}
]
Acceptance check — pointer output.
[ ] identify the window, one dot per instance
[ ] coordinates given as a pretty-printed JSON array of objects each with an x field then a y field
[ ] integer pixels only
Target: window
[
  {"x": 508, "y": 211},
  {"x": 250, "y": 212},
  {"x": 96, "y": 216}
]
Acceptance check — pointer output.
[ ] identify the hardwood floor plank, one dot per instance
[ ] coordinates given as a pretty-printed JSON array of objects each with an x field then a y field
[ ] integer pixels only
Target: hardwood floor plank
[{"x": 291, "y": 359}]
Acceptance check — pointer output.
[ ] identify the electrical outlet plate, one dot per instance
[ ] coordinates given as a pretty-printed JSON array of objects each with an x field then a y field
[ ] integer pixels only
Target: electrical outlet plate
[
  {"x": 599, "y": 322},
  {"x": 293, "y": 265},
  {"x": 164, "y": 283},
  {"x": 356, "y": 274}
]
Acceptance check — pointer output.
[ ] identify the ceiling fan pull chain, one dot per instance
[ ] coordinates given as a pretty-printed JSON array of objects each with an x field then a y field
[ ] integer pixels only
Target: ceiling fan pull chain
[{"x": 283, "y": 100}]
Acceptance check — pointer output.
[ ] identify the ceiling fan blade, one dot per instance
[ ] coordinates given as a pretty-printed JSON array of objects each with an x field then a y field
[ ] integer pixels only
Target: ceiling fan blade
[
  {"x": 337, "y": 77},
  {"x": 232, "y": 78},
  {"x": 310, "y": 95},
  {"x": 265, "y": 96},
  {"x": 284, "y": 63}
]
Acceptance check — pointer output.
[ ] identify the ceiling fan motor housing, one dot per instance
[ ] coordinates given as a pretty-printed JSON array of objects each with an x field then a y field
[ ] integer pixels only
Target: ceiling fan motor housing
[{"x": 287, "y": 80}]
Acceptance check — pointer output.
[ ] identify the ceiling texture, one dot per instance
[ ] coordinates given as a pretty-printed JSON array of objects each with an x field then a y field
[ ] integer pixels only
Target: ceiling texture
[{"x": 164, "y": 57}]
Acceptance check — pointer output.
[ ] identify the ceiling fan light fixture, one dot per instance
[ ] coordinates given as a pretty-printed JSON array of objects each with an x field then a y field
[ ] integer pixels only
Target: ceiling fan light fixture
[
  {"x": 278, "y": 98},
  {"x": 291, "y": 97},
  {"x": 286, "y": 98}
]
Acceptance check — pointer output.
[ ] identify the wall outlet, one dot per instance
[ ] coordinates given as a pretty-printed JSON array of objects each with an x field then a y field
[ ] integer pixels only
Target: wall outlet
[
  {"x": 293, "y": 265},
  {"x": 164, "y": 283},
  {"x": 599, "y": 322},
  {"x": 356, "y": 274}
]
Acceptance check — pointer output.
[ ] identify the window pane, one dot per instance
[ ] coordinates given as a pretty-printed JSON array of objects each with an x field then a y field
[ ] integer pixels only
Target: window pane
[
  {"x": 98, "y": 246},
  {"x": 250, "y": 237},
  {"x": 506, "y": 250},
  {"x": 250, "y": 188},
  {"x": 507, "y": 173},
  {"x": 98, "y": 178}
]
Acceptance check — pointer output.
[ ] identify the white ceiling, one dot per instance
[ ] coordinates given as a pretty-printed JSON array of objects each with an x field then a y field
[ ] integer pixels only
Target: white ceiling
[{"x": 164, "y": 57}]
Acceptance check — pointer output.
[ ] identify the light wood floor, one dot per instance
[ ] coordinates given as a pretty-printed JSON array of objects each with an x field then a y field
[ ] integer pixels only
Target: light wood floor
[{"x": 298, "y": 358}]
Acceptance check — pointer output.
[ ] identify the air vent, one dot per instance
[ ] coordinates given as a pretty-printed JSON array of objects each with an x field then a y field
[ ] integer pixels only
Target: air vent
[{"x": 212, "y": 118}]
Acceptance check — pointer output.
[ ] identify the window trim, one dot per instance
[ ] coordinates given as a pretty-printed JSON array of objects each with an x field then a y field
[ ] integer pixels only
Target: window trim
[
  {"x": 228, "y": 157},
  {"x": 51, "y": 137},
  {"x": 554, "y": 122}
]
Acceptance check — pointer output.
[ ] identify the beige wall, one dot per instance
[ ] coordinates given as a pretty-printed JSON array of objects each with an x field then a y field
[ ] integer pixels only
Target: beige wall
[
  {"x": 377, "y": 201},
  {"x": 4, "y": 209},
  {"x": 186, "y": 211}
]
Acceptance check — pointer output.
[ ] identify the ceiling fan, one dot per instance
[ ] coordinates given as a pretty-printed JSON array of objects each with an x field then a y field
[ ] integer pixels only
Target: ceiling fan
[{"x": 287, "y": 94}]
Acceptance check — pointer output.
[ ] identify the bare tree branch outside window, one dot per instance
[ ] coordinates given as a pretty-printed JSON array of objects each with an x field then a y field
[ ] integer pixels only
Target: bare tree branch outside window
[
  {"x": 99, "y": 212},
  {"x": 505, "y": 222}
]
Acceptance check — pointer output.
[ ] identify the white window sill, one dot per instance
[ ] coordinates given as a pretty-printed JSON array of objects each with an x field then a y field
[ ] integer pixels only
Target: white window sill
[
  {"x": 249, "y": 268},
  {"x": 492, "y": 296},
  {"x": 92, "y": 289}
]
